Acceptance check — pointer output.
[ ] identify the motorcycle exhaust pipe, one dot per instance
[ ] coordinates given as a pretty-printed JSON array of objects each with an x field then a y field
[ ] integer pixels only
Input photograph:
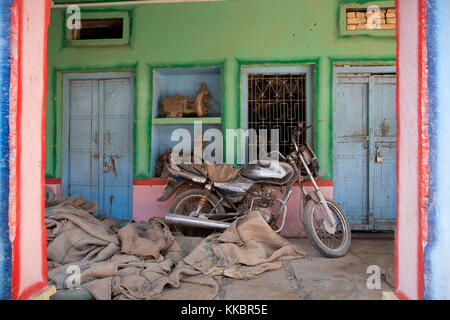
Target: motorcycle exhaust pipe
[{"x": 178, "y": 219}]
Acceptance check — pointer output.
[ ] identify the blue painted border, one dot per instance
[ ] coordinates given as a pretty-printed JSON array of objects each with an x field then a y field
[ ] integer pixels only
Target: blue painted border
[
  {"x": 5, "y": 70},
  {"x": 437, "y": 249}
]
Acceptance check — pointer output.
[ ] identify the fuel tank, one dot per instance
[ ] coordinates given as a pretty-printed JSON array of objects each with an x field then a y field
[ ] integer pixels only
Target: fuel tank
[{"x": 273, "y": 172}]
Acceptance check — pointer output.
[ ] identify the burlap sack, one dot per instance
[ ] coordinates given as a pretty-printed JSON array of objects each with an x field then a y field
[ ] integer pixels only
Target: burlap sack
[
  {"x": 166, "y": 281},
  {"x": 222, "y": 172},
  {"x": 138, "y": 262},
  {"x": 155, "y": 240},
  {"x": 144, "y": 261},
  {"x": 74, "y": 235},
  {"x": 247, "y": 248},
  {"x": 52, "y": 199},
  {"x": 63, "y": 276}
]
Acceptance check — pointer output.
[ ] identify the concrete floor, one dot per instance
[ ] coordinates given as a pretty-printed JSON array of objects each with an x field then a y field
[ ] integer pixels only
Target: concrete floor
[
  {"x": 318, "y": 278},
  {"x": 311, "y": 278}
]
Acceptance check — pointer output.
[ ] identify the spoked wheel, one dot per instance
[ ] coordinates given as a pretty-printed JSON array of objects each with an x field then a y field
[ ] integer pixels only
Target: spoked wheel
[
  {"x": 187, "y": 203},
  {"x": 329, "y": 245}
]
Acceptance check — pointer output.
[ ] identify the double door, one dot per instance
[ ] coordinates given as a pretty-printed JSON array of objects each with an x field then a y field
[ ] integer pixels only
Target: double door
[
  {"x": 365, "y": 148},
  {"x": 97, "y": 140}
]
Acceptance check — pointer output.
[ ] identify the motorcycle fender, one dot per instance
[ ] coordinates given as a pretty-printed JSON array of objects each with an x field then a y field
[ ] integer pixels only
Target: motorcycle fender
[
  {"x": 171, "y": 188},
  {"x": 313, "y": 196}
]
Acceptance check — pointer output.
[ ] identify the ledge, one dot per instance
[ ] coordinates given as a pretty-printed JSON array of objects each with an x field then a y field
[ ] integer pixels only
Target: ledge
[{"x": 162, "y": 121}]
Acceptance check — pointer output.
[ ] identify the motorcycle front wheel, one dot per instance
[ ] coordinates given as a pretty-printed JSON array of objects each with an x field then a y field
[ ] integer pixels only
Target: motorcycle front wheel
[{"x": 329, "y": 245}]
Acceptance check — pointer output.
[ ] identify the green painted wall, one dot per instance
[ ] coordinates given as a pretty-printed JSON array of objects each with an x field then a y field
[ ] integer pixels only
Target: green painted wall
[{"x": 230, "y": 34}]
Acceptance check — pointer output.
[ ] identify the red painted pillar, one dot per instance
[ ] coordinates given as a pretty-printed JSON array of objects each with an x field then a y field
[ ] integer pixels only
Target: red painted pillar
[
  {"x": 412, "y": 183},
  {"x": 30, "y": 20}
]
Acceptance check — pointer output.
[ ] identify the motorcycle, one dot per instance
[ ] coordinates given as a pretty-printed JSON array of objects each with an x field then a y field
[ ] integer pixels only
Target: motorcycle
[{"x": 202, "y": 202}]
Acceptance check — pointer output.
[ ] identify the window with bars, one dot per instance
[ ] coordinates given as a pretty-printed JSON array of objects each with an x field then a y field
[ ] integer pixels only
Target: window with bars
[{"x": 277, "y": 101}]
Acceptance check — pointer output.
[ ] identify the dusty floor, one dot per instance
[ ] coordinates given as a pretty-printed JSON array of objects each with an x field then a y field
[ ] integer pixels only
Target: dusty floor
[
  {"x": 315, "y": 277},
  {"x": 311, "y": 278}
]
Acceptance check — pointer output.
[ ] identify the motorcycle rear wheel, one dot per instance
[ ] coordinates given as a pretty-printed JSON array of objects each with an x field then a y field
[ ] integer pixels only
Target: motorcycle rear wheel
[
  {"x": 187, "y": 202},
  {"x": 329, "y": 245}
]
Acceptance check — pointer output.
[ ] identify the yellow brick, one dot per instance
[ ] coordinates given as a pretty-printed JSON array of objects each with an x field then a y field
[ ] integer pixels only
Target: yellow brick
[
  {"x": 380, "y": 15},
  {"x": 391, "y": 10},
  {"x": 360, "y": 15},
  {"x": 351, "y": 27},
  {"x": 388, "y": 26},
  {"x": 374, "y": 20},
  {"x": 351, "y": 14},
  {"x": 383, "y": 11},
  {"x": 390, "y": 15},
  {"x": 375, "y": 24},
  {"x": 391, "y": 20},
  {"x": 361, "y": 27},
  {"x": 356, "y": 20},
  {"x": 374, "y": 13}
]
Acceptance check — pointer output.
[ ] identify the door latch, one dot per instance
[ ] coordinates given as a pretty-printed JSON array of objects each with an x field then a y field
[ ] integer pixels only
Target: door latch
[
  {"x": 366, "y": 145},
  {"x": 113, "y": 166},
  {"x": 379, "y": 158}
]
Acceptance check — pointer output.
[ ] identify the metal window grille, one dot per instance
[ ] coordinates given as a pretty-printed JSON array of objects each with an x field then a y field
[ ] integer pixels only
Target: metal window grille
[{"x": 277, "y": 101}]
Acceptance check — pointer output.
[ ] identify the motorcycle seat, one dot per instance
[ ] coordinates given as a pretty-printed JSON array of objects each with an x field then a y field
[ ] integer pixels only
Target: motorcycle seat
[
  {"x": 191, "y": 168},
  {"x": 215, "y": 172}
]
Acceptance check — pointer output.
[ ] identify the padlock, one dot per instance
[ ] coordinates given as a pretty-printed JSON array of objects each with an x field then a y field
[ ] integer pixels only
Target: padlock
[{"x": 379, "y": 155}]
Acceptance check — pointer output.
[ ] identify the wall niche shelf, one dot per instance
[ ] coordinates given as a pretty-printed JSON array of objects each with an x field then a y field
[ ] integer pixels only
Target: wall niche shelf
[
  {"x": 162, "y": 121},
  {"x": 186, "y": 82}
]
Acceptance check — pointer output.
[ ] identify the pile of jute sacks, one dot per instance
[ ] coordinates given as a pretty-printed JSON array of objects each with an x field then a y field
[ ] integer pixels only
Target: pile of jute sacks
[{"x": 100, "y": 258}]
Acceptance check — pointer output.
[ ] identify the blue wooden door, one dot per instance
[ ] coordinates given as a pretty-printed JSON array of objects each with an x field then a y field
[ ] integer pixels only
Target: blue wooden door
[
  {"x": 350, "y": 147},
  {"x": 364, "y": 148},
  {"x": 382, "y": 152},
  {"x": 97, "y": 141}
]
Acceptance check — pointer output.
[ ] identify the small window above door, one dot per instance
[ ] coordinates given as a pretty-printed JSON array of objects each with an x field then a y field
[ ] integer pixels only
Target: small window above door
[
  {"x": 99, "y": 29},
  {"x": 374, "y": 18},
  {"x": 96, "y": 29}
]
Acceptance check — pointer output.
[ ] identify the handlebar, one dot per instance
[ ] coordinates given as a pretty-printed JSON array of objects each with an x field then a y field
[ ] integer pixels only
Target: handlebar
[
  {"x": 277, "y": 153},
  {"x": 301, "y": 127},
  {"x": 298, "y": 131}
]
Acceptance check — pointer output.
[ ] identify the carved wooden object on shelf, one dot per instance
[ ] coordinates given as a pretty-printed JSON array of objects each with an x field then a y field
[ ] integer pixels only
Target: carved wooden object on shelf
[{"x": 179, "y": 106}]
